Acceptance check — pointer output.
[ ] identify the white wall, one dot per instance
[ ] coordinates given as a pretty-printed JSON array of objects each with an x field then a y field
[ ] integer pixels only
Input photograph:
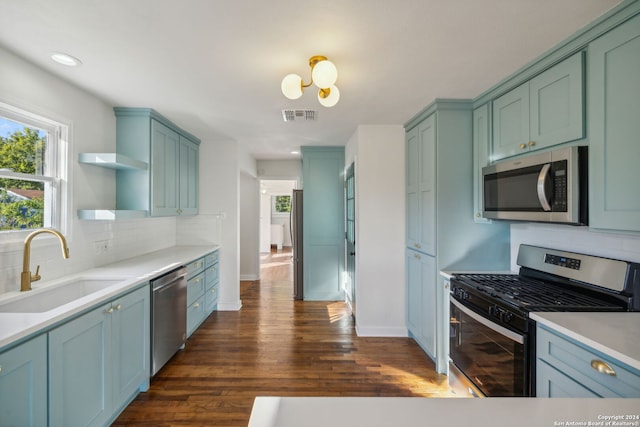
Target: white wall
[
  {"x": 574, "y": 239},
  {"x": 380, "y": 229},
  {"x": 92, "y": 129},
  {"x": 280, "y": 169},
  {"x": 249, "y": 227}
]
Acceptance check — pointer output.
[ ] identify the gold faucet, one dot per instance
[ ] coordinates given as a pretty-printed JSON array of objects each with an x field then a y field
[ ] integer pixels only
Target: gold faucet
[{"x": 26, "y": 277}]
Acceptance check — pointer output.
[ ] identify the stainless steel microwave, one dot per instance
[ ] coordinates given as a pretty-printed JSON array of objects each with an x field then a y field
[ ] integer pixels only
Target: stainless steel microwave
[{"x": 545, "y": 187}]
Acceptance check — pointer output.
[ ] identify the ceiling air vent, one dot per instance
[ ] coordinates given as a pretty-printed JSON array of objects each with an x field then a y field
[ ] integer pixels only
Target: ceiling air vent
[{"x": 299, "y": 115}]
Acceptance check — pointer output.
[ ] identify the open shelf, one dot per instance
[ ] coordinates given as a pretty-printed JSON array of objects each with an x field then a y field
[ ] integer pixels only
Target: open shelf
[
  {"x": 109, "y": 215},
  {"x": 111, "y": 161}
]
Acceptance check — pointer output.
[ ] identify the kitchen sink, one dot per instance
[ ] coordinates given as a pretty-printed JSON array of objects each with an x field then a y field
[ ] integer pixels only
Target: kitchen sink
[{"x": 46, "y": 298}]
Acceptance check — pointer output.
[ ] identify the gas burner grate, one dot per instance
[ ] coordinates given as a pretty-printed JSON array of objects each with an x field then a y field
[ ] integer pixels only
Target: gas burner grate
[{"x": 531, "y": 294}]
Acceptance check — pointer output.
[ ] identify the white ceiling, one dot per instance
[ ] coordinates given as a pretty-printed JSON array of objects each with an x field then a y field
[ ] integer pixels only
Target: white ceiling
[{"x": 214, "y": 66}]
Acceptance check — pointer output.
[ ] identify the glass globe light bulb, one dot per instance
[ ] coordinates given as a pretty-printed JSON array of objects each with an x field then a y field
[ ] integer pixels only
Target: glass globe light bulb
[
  {"x": 292, "y": 86},
  {"x": 329, "y": 99},
  {"x": 324, "y": 74}
]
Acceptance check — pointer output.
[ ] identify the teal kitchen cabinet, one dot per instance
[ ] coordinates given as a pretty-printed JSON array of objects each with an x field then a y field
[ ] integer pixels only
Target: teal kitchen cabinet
[
  {"x": 323, "y": 223},
  {"x": 202, "y": 289},
  {"x": 441, "y": 232},
  {"x": 23, "y": 384},
  {"x": 613, "y": 82},
  {"x": 420, "y": 186},
  {"x": 422, "y": 299},
  {"x": 169, "y": 186},
  {"x": 481, "y": 141},
  {"x": 545, "y": 111},
  {"x": 568, "y": 368},
  {"x": 98, "y": 361}
]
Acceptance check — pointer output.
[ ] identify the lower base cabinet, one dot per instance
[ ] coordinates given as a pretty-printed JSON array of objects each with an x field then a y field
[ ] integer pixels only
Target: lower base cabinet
[
  {"x": 23, "y": 384},
  {"x": 421, "y": 300},
  {"x": 567, "y": 368},
  {"x": 98, "y": 361},
  {"x": 202, "y": 290}
]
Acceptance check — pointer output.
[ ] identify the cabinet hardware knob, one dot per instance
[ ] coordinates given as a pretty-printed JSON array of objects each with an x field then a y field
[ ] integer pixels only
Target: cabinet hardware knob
[
  {"x": 531, "y": 143},
  {"x": 603, "y": 367},
  {"x": 523, "y": 146},
  {"x": 416, "y": 256},
  {"x": 110, "y": 311},
  {"x": 197, "y": 280},
  {"x": 478, "y": 215},
  {"x": 0, "y": 369},
  {"x": 196, "y": 305},
  {"x": 118, "y": 307},
  {"x": 213, "y": 291},
  {"x": 417, "y": 245}
]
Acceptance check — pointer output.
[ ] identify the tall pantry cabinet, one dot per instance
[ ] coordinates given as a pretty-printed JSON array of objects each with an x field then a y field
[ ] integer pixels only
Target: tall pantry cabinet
[{"x": 441, "y": 233}]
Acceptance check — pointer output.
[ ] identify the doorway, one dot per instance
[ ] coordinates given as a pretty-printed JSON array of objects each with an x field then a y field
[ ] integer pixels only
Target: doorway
[
  {"x": 350, "y": 238},
  {"x": 274, "y": 215}
]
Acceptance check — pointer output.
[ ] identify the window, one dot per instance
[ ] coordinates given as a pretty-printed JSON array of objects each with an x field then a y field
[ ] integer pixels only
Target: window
[
  {"x": 280, "y": 204},
  {"x": 31, "y": 166}
]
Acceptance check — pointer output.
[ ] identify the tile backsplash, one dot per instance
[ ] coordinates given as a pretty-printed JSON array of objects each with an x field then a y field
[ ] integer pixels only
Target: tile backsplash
[
  {"x": 625, "y": 247},
  {"x": 91, "y": 244}
]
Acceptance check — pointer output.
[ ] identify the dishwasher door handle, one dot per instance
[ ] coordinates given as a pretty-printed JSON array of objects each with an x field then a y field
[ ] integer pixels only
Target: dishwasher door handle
[{"x": 168, "y": 279}]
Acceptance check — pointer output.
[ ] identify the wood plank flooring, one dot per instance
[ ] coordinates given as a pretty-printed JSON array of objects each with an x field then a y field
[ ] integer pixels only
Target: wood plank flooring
[{"x": 275, "y": 346}]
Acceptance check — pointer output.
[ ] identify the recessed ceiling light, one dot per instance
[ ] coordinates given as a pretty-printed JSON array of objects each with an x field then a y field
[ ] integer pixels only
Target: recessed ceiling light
[
  {"x": 64, "y": 59},
  {"x": 295, "y": 152}
]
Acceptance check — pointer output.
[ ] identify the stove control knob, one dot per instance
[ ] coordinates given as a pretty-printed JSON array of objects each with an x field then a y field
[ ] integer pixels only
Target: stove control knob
[
  {"x": 506, "y": 316},
  {"x": 494, "y": 310}
]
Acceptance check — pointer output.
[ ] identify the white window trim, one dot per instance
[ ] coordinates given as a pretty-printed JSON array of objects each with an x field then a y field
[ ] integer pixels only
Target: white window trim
[{"x": 59, "y": 131}]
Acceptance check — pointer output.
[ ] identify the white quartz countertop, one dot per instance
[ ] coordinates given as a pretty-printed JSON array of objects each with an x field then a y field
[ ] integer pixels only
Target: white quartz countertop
[
  {"x": 614, "y": 334},
  {"x": 128, "y": 274},
  {"x": 449, "y": 412}
]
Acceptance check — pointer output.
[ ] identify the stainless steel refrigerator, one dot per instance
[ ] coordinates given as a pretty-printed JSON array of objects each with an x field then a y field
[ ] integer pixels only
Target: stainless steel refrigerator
[{"x": 295, "y": 226}]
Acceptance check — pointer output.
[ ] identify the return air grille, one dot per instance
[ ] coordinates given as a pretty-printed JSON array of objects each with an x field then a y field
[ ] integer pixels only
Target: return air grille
[{"x": 299, "y": 115}]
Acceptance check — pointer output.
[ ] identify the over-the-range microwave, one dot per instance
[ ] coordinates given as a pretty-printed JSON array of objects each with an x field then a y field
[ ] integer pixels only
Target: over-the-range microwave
[{"x": 544, "y": 187}]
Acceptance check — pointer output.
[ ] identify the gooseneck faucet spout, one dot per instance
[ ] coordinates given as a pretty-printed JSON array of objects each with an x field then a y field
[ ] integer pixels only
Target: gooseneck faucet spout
[{"x": 26, "y": 277}]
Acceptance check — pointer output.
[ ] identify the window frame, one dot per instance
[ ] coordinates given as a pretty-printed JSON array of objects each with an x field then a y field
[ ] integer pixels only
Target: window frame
[{"x": 55, "y": 175}]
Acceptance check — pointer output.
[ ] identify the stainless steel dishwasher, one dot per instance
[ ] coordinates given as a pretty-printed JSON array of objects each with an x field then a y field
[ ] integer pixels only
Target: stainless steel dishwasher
[{"x": 168, "y": 316}]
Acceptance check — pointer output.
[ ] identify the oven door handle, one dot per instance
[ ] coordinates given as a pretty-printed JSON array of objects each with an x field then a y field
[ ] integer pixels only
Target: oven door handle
[{"x": 513, "y": 336}]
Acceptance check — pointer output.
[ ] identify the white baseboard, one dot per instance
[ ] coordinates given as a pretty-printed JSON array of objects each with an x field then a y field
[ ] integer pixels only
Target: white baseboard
[
  {"x": 381, "y": 331},
  {"x": 225, "y": 306}
]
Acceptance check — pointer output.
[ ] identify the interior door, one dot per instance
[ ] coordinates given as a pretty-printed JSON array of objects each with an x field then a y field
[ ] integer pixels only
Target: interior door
[{"x": 350, "y": 199}]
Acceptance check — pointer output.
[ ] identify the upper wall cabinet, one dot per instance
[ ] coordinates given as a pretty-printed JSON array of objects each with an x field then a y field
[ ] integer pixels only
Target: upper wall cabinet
[
  {"x": 614, "y": 125},
  {"x": 170, "y": 185},
  {"x": 545, "y": 111}
]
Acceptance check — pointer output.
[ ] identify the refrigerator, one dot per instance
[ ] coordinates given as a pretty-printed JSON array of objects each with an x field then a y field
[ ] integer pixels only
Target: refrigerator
[{"x": 295, "y": 225}]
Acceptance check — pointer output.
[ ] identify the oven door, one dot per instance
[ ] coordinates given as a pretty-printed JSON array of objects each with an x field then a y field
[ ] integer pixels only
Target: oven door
[{"x": 493, "y": 358}]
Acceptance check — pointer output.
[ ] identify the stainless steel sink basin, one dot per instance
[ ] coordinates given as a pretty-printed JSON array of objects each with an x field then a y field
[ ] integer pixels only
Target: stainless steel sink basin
[{"x": 50, "y": 297}]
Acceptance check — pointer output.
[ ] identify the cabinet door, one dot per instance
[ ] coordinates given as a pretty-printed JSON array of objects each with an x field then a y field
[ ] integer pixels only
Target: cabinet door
[
  {"x": 130, "y": 344},
  {"x": 613, "y": 73},
  {"x": 164, "y": 170},
  {"x": 427, "y": 184},
  {"x": 421, "y": 300},
  {"x": 511, "y": 123},
  {"x": 553, "y": 383},
  {"x": 412, "y": 152},
  {"x": 79, "y": 380},
  {"x": 188, "y": 181},
  {"x": 557, "y": 107},
  {"x": 23, "y": 384},
  {"x": 481, "y": 138}
]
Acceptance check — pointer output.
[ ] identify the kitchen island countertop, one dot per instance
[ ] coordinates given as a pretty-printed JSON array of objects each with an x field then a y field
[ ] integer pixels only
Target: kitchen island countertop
[
  {"x": 615, "y": 334},
  {"x": 448, "y": 412}
]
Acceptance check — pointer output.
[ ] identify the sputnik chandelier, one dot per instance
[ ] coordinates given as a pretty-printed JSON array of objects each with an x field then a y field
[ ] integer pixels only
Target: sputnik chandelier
[{"x": 323, "y": 74}]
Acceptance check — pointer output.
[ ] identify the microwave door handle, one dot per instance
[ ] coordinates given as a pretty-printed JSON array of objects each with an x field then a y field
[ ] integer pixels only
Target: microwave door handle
[{"x": 542, "y": 181}]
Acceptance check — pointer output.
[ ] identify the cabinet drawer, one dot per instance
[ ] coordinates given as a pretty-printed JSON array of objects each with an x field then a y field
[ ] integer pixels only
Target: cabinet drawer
[
  {"x": 552, "y": 383},
  {"x": 195, "y": 288},
  {"x": 211, "y": 275},
  {"x": 210, "y": 259},
  {"x": 195, "y": 315},
  {"x": 575, "y": 360},
  {"x": 211, "y": 299},
  {"x": 195, "y": 267}
]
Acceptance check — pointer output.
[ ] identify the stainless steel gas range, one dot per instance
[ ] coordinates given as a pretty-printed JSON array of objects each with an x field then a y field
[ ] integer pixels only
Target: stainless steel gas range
[{"x": 492, "y": 338}]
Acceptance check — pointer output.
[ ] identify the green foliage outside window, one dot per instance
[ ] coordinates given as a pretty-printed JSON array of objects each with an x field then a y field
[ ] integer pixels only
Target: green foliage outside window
[
  {"x": 23, "y": 152},
  {"x": 283, "y": 204}
]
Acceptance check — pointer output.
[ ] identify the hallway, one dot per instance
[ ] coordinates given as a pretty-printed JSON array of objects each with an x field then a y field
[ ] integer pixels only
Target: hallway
[{"x": 276, "y": 346}]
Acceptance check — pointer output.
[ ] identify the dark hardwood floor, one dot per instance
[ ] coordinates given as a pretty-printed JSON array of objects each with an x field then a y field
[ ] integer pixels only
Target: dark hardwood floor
[{"x": 275, "y": 346}]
